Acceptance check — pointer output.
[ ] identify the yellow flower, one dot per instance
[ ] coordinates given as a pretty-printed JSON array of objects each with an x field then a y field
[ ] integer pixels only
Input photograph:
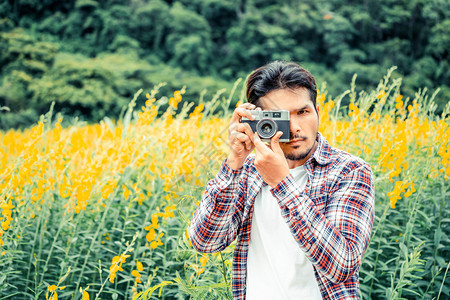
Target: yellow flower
[
  {"x": 154, "y": 245},
  {"x": 151, "y": 235},
  {"x": 52, "y": 288},
  {"x": 188, "y": 238},
  {"x": 112, "y": 276},
  {"x": 204, "y": 259},
  {"x": 84, "y": 293},
  {"x": 177, "y": 95},
  {"x": 139, "y": 265},
  {"x": 85, "y": 296},
  {"x": 126, "y": 192},
  {"x": 155, "y": 221}
]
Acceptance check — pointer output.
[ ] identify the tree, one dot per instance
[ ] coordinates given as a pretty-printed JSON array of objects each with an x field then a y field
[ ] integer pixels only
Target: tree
[
  {"x": 149, "y": 25},
  {"x": 24, "y": 60},
  {"x": 189, "y": 32}
]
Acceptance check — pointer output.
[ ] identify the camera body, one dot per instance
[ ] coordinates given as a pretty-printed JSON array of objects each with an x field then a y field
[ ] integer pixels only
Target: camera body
[{"x": 268, "y": 122}]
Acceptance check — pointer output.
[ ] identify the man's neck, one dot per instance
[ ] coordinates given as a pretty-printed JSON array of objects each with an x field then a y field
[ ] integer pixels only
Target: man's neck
[{"x": 296, "y": 163}]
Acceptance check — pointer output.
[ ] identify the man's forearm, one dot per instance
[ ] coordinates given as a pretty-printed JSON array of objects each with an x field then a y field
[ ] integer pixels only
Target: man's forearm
[
  {"x": 215, "y": 222},
  {"x": 334, "y": 241}
]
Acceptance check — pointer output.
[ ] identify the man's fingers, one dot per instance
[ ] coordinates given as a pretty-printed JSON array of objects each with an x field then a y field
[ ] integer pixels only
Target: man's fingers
[
  {"x": 241, "y": 128},
  {"x": 256, "y": 139},
  {"x": 247, "y": 105},
  {"x": 242, "y": 138},
  {"x": 259, "y": 145},
  {"x": 242, "y": 110},
  {"x": 246, "y": 129},
  {"x": 275, "y": 142}
]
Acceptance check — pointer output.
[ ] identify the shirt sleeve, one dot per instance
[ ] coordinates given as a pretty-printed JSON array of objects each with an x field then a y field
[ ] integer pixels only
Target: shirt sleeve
[
  {"x": 216, "y": 221},
  {"x": 335, "y": 240}
]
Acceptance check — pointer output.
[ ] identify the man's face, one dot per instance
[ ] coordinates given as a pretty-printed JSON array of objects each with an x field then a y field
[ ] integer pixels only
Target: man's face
[{"x": 304, "y": 122}]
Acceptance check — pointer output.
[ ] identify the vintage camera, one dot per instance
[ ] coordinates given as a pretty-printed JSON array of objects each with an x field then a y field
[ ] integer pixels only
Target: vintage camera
[{"x": 267, "y": 123}]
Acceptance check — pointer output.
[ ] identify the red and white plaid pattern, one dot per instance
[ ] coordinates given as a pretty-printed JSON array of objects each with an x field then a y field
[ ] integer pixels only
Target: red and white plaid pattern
[{"x": 331, "y": 219}]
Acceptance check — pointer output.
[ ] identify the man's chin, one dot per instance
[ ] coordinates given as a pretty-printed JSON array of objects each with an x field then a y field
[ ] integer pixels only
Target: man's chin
[{"x": 297, "y": 154}]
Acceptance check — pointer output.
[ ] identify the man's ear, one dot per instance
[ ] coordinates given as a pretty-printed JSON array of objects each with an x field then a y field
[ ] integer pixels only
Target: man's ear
[{"x": 318, "y": 116}]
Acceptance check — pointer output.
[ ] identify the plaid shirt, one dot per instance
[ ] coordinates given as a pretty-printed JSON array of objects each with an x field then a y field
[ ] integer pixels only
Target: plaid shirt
[{"x": 331, "y": 219}]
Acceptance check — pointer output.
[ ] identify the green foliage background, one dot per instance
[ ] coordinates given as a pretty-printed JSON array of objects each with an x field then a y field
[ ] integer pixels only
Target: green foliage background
[{"x": 90, "y": 56}]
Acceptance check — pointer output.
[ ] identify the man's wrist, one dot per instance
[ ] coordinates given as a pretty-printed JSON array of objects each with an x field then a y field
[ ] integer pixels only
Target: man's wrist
[{"x": 235, "y": 163}]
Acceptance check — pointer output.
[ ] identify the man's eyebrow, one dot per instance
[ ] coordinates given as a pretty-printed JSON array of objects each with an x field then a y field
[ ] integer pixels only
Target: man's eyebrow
[{"x": 302, "y": 108}]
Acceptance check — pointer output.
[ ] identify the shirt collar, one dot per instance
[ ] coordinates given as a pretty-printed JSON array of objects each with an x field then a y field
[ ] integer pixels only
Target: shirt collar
[{"x": 323, "y": 151}]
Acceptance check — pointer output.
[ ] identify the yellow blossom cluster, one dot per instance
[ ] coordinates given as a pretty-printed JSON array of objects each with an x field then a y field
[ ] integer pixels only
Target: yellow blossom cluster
[
  {"x": 152, "y": 237},
  {"x": 148, "y": 113},
  {"x": 5, "y": 218},
  {"x": 51, "y": 292},
  {"x": 400, "y": 187},
  {"x": 199, "y": 269},
  {"x": 397, "y": 141},
  {"x": 116, "y": 266},
  {"x": 173, "y": 101},
  {"x": 136, "y": 273}
]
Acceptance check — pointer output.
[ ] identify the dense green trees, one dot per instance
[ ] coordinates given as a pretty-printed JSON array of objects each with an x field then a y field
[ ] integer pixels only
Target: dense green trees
[{"x": 221, "y": 38}]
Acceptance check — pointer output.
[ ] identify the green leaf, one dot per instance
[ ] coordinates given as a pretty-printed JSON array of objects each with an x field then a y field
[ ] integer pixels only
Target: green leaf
[
  {"x": 437, "y": 237},
  {"x": 441, "y": 262}
]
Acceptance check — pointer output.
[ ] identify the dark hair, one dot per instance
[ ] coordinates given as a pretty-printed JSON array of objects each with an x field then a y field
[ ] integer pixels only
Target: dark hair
[{"x": 279, "y": 75}]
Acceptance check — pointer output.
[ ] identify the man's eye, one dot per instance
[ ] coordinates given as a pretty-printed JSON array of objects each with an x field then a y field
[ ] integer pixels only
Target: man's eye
[{"x": 301, "y": 112}]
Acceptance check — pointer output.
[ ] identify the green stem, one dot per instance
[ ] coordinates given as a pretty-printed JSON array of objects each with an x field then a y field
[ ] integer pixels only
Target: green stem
[
  {"x": 225, "y": 276},
  {"x": 70, "y": 238},
  {"x": 408, "y": 231},
  {"x": 122, "y": 237},
  {"x": 51, "y": 250},
  {"x": 380, "y": 223},
  {"x": 438, "y": 225},
  {"x": 223, "y": 268},
  {"x": 37, "y": 260},
  {"x": 129, "y": 248},
  {"x": 443, "y": 280},
  {"x": 149, "y": 209},
  {"x": 32, "y": 250},
  {"x": 94, "y": 238},
  {"x": 78, "y": 259}
]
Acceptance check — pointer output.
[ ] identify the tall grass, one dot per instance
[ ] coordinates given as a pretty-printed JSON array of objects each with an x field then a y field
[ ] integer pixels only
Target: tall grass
[{"x": 103, "y": 210}]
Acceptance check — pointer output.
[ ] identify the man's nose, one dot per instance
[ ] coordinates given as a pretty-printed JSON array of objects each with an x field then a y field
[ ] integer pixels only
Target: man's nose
[{"x": 295, "y": 127}]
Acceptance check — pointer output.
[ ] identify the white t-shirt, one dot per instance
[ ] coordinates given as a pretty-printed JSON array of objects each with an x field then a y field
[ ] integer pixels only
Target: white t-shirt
[{"x": 277, "y": 268}]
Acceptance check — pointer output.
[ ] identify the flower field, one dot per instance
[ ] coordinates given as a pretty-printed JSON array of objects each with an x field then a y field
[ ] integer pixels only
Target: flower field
[{"x": 102, "y": 210}]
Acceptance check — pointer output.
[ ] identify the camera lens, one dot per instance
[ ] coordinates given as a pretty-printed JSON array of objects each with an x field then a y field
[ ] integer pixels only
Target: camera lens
[{"x": 266, "y": 128}]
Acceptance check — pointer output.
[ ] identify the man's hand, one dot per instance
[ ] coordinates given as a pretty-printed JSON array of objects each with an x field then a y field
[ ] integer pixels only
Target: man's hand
[
  {"x": 270, "y": 161},
  {"x": 241, "y": 144}
]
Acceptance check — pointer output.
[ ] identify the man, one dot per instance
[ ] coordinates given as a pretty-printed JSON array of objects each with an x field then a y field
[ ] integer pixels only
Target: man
[{"x": 301, "y": 211}]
